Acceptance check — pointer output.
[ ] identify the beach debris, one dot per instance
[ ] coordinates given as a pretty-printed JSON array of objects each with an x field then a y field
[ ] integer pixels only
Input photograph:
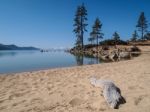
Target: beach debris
[{"x": 111, "y": 92}]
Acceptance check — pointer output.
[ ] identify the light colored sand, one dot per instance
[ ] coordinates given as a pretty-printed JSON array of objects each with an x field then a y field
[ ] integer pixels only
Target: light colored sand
[{"x": 69, "y": 89}]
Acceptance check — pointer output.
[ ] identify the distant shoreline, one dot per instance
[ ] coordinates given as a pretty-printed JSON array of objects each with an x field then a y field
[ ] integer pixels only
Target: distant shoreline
[{"x": 14, "y": 47}]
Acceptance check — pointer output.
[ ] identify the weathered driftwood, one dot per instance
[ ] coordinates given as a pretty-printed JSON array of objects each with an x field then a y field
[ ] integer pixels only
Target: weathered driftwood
[{"x": 111, "y": 93}]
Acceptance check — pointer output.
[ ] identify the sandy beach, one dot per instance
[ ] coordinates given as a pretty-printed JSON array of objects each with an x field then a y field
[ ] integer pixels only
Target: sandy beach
[{"x": 69, "y": 89}]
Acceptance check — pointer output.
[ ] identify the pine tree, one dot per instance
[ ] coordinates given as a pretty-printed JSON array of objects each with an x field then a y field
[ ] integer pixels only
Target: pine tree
[
  {"x": 77, "y": 27},
  {"x": 91, "y": 39},
  {"x": 78, "y": 42},
  {"x": 116, "y": 38},
  {"x": 142, "y": 25},
  {"x": 96, "y": 31},
  {"x": 147, "y": 36},
  {"x": 80, "y": 23},
  {"x": 134, "y": 36}
]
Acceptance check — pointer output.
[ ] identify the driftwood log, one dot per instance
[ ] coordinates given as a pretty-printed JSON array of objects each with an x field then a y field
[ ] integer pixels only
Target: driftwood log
[{"x": 111, "y": 93}]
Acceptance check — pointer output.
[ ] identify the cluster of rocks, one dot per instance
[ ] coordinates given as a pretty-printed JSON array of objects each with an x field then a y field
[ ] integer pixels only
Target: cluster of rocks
[
  {"x": 115, "y": 55},
  {"x": 119, "y": 53},
  {"x": 109, "y": 53}
]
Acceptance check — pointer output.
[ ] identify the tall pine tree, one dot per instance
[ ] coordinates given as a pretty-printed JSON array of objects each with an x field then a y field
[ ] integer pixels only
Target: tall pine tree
[
  {"x": 77, "y": 27},
  {"x": 91, "y": 39},
  {"x": 134, "y": 36},
  {"x": 116, "y": 38},
  {"x": 142, "y": 25},
  {"x": 80, "y": 24},
  {"x": 96, "y": 31},
  {"x": 147, "y": 36}
]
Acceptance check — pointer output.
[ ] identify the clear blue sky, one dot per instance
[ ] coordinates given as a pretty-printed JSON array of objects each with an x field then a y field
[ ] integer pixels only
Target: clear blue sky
[{"x": 49, "y": 23}]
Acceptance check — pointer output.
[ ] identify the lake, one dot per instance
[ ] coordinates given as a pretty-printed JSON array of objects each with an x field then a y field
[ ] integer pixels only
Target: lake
[{"x": 22, "y": 61}]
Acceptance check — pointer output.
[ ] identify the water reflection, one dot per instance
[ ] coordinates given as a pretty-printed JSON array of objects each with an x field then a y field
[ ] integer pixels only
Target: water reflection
[
  {"x": 18, "y": 61},
  {"x": 14, "y": 53},
  {"x": 86, "y": 59},
  {"x": 4, "y": 54},
  {"x": 79, "y": 59},
  {"x": 82, "y": 59},
  {"x": 91, "y": 61}
]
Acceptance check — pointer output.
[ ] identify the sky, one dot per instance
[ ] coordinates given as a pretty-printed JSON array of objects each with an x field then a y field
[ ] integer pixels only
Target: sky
[{"x": 49, "y": 23}]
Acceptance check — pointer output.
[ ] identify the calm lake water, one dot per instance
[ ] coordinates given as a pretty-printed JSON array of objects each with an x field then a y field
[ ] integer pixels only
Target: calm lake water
[{"x": 22, "y": 61}]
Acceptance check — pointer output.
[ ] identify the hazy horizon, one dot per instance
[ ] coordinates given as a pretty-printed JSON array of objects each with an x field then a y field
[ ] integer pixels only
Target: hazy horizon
[{"x": 49, "y": 23}]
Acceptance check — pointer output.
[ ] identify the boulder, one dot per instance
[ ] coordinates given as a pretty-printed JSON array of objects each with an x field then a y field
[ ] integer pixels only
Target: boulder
[{"x": 125, "y": 55}]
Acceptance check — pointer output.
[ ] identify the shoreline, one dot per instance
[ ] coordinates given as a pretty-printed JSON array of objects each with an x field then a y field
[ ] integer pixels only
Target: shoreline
[
  {"x": 69, "y": 90},
  {"x": 45, "y": 69},
  {"x": 102, "y": 57}
]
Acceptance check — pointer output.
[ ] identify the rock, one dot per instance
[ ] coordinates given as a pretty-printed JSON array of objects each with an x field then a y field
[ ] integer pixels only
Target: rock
[
  {"x": 94, "y": 50},
  {"x": 134, "y": 49},
  {"x": 104, "y": 52},
  {"x": 105, "y": 47},
  {"x": 111, "y": 92},
  {"x": 114, "y": 56},
  {"x": 125, "y": 55}
]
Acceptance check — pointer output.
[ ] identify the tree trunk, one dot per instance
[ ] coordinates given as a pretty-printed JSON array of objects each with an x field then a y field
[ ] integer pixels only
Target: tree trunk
[
  {"x": 82, "y": 39},
  {"x": 82, "y": 33},
  {"x": 142, "y": 34},
  {"x": 97, "y": 43}
]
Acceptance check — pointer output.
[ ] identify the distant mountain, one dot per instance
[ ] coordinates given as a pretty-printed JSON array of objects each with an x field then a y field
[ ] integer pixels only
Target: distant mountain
[{"x": 14, "y": 47}]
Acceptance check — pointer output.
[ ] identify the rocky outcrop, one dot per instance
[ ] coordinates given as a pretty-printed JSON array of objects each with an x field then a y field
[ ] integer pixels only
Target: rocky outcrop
[{"x": 109, "y": 53}]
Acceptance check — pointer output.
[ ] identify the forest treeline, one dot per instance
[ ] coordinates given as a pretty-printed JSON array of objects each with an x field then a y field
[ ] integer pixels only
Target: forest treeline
[{"x": 96, "y": 36}]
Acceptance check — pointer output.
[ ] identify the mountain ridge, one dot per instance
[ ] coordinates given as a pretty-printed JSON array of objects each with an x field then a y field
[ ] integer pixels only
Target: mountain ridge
[{"x": 15, "y": 47}]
